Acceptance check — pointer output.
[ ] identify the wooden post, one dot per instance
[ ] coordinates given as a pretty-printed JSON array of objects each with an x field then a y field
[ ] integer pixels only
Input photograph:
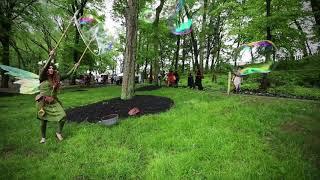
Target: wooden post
[{"x": 229, "y": 82}]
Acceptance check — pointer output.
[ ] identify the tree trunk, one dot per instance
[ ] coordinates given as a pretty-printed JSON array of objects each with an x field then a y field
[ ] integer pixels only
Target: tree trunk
[
  {"x": 212, "y": 63},
  {"x": 269, "y": 36},
  {"x": 151, "y": 74},
  {"x": 203, "y": 33},
  {"x": 156, "y": 44},
  {"x": 209, "y": 45},
  {"x": 184, "y": 52},
  {"x": 194, "y": 41},
  {"x": 208, "y": 54},
  {"x": 131, "y": 42},
  {"x": 75, "y": 54},
  {"x": 252, "y": 56},
  {"x": 216, "y": 39},
  {"x": 145, "y": 76},
  {"x": 192, "y": 58},
  {"x": 177, "y": 54},
  {"x": 308, "y": 46},
  {"x": 236, "y": 52},
  {"x": 5, "y": 40},
  {"x": 218, "y": 53},
  {"x": 20, "y": 58},
  {"x": 304, "y": 49},
  {"x": 315, "y": 4},
  {"x": 76, "y": 44}
]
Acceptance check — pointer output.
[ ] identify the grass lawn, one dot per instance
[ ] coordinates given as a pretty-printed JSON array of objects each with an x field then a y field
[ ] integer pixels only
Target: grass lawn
[{"x": 205, "y": 135}]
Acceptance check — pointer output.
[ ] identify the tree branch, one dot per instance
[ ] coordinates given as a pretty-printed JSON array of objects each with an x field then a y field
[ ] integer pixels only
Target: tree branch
[
  {"x": 23, "y": 9},
  {"x": 39, "y": 44},
  {"x": 62, "y": 7},
  {"x": 16, "y": 49}
]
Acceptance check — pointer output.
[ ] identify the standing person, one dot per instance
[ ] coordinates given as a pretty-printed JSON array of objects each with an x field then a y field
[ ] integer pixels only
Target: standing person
[
  {"x": 237, "y": 80},
  {"x": 112, "y": 79},
  {"x": 48, "y": 105},
  {"x": 171, "y": 78},
  {"x": 199, "y": 78},
  {"x": 177, "y": 78},
  {"x": 190, "y": 81}
]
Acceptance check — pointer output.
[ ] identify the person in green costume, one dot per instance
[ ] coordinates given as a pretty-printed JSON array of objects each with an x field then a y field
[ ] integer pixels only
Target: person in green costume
[{"x": 48, "y": 105}]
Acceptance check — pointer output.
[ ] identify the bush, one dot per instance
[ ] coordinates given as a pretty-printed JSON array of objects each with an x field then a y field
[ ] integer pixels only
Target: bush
[
  {"x": 250, "y": 86},
  {"x": 305, "y": 72},
  {"x": 296, "y": 91}
]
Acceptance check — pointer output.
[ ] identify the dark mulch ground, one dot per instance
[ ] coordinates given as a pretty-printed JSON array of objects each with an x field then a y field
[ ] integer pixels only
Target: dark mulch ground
[
  {"x": 148, "y": 88},
  {"x": 94, "y": 112},
  {"x": 6, "y": 94}
]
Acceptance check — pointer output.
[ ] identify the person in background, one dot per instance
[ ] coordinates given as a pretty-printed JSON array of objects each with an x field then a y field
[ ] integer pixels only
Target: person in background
[
  {"x": 112, "y": 79},
  {"x": 190, "y": 81},
  {"x": 171, "y": 78},
  {"x": 199, "y": 77},
  {"x": 177, "y": 78},
  {"x": 236, "y": 79}
]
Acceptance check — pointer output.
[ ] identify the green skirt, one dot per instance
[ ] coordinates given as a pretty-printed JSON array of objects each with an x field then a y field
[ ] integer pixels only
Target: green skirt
[{"x": 53, "y": 112}]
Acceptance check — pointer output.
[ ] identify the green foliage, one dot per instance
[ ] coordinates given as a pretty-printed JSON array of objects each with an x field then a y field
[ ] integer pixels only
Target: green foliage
[
  {"x": 304, "y": 72},
  {"x": 296, "y": 91},
  {"x": 249, "y": 23},
  {"x": 250, "y": 86},
  {"x": 290, "y": 75}
]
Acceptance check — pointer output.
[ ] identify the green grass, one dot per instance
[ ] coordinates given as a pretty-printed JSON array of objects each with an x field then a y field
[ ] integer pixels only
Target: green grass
[{"x": 205, "y": 135}]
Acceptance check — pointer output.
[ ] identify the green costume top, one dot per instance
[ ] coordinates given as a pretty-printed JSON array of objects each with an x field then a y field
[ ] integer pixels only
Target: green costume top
[{"x": 54, "y": 110}]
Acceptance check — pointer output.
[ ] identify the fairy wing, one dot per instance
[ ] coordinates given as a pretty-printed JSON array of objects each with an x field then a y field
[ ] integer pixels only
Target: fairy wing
[
  {"x": 28, "y": 81},
  {"x": 19, "y": 73},
  {"x": 28, "y": 86}
]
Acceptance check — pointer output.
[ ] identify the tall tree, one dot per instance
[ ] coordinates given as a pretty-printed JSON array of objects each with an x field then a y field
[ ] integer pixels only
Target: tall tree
[
  {"x": 193, "y": 39},
  {"x": 269, "y": 36},
  {"x": 203, "y": 33},
  {"x": 156, "y": 66},
  {"x": 131, "y": 17},
  {"x": 77, "y": 6},
  {"x": 10, "y": 12}
]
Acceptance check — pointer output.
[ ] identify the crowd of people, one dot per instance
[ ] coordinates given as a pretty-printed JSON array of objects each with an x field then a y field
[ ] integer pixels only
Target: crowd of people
[
  {"x": 198, "y": 80},
  {"x": 88, "y": 79},
  {"x": 171, "y": 79}
]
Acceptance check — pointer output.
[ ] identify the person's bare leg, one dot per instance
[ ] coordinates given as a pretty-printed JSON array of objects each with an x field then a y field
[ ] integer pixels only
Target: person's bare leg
[
  {"x": 60, "y": 127},
  {"x": 43, "y": 128}
]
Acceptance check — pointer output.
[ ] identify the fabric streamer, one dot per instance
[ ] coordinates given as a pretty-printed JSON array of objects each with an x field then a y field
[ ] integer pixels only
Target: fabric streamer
[
  {"x": 264, "y": 43},
  {"x": 182, "y": 32},
  {"x": 86, "y": 20},
  {"x": 256, "y": 68},
  {"x": 182, "y": 28},
  {"x": 255, "y": 51}
]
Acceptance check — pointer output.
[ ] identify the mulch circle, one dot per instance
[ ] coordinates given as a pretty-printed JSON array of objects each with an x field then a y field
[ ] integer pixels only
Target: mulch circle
[
  {"x": 148, "y": 88},
  {"x": 95, "y": 112},
  {"x": 6, "y": 94}
]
